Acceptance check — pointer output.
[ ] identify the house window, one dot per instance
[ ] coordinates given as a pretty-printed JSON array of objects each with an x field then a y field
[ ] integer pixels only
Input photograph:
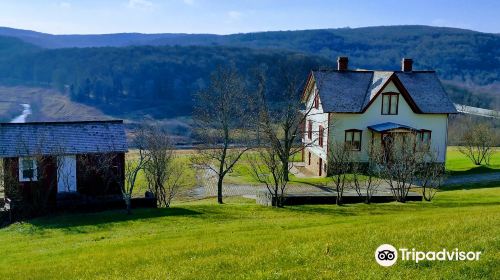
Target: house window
[
  {"x": 27, "y": 169},
  {"x": 309, "y": 158},
  {"x": 390, "y": 103},
  {"x": 320, "y": 136},
  {"x": 353, "y": 139},
  {"x": 316, "y": 101},
  {"x": 309, "y": 129},
  {"x": 425, "y": 136}
]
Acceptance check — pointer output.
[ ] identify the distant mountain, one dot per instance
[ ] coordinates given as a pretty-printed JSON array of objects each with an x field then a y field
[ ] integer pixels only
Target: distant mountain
[
  {"x": 457, "y": 54},
  {"x": 157, "y": 74},
  {"x": 51, "y": 41}
]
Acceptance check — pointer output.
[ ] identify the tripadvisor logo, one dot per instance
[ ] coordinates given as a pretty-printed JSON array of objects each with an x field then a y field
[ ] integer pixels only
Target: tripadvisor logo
[{"x": 387, "y": 255}]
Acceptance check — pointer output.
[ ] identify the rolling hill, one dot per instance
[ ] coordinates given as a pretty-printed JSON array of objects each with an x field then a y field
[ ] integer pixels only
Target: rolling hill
[{"x": 134, "y": 74}]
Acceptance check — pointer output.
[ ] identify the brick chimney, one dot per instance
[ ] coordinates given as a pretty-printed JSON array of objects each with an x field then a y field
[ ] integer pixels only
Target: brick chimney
[
  {"x": 406, "y": 65},
  {"x": 342, "y": 62}
]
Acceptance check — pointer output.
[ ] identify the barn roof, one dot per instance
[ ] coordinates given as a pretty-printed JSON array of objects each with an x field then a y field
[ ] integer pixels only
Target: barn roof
[
  {"x": 52, "y": 138},
  {"x": 352, "y": 91}
]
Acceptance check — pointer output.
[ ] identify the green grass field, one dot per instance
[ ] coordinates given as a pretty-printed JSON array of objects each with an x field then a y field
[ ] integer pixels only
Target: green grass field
[
  {"x": 241, "y": 240},
  {"x": 458, "y": 164}
]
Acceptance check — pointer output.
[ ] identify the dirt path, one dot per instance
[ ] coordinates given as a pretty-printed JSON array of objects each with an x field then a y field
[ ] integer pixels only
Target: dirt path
[{"x": 207, "y": 185}]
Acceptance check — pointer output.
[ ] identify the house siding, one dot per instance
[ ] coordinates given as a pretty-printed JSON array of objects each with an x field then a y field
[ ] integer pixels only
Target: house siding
[
  {"x": 94, "y": 184},
  {"x": 437, "y": 123},
  {"x": 43, "y": 191},
  {"x": 318, "y": 118},
  {"x": 88, "y": 183}
]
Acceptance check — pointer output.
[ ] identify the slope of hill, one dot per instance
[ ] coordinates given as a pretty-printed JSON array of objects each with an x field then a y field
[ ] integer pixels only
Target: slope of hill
[
  {"x": 457, "y": 54},
  {"x": 160, "y": 80},
  {"x": 45, "y": 105},
  {"x": 138, "y": 81}
]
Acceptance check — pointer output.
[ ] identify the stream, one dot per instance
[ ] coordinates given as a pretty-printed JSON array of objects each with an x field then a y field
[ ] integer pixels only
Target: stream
[{"x": 26, "y": 112}]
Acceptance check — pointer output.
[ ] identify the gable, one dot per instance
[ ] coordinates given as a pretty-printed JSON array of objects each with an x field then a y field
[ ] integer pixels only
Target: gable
[{"x": 393, "y": 85}]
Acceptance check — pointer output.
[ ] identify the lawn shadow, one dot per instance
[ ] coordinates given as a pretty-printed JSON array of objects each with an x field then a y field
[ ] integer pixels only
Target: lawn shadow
[
  {"x": 474, "y": 170},
  {"x": 101, "y": 219},
  {"x": 317, "y": 185},
  {"x": 471, "y": 186}
]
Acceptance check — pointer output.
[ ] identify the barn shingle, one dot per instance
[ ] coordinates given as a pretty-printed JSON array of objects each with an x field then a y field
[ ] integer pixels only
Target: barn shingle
[{"x": 52, "y": 138}]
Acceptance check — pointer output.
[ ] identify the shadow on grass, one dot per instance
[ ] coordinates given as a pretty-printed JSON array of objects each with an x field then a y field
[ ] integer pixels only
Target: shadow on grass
[
  {"x": 474, "y": 170},
  {"x": 107, "y": 217},
  {"x": 471, "y": 186}
]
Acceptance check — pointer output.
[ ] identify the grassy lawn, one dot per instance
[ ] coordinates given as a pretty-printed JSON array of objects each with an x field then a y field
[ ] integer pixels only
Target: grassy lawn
[
  {"x": 241, "y": 240},
  {"x": 189, "y": 175},
  {"x": 458, "y": 164},
  {"x": 242, "y": 174}
]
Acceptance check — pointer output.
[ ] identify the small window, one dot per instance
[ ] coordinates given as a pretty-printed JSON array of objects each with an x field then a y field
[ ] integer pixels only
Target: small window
[
  {"x": 390, "y": 103},
  {"x": 27, "y": 169},
  {"x": 316, "y": 101},
  {"x": 353, "y": 139},
  {"x": 426, "y": 137},
  {"x": 309, "y": 158},
  {"x": 309, "y": 129},
  {"x": 320, "y": 136}
]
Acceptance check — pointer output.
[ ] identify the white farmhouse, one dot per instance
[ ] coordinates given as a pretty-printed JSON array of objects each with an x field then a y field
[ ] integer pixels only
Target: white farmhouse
[{"x": 360, "y": 107}]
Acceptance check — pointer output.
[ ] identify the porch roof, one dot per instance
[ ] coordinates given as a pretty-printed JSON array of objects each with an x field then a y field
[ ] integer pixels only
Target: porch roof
[{"x": 388, "y": 126}]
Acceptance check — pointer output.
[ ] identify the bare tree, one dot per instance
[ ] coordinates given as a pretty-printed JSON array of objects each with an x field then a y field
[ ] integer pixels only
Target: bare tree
[
  {"x": 477, "y": 143},
  {"x": 164, "y": 173},
  {"x": 267, "y": 168},
  {"x": 221, "y": 121},
  {"x": 399, "y": 163},
  {"x": 132, "y": 169},
  {"x": 366, "y": 178},
  {"x": 340, "y": 159},
  {"x": 431, "y": 174},
  {"x": 282, "y": 114}
]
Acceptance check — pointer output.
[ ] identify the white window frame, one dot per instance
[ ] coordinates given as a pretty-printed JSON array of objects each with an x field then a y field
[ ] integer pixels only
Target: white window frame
[{"x": 21, "y": 169}]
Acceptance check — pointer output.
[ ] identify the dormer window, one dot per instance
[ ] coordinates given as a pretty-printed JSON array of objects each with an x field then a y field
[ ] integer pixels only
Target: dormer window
[{"x": 390, "y": 102}]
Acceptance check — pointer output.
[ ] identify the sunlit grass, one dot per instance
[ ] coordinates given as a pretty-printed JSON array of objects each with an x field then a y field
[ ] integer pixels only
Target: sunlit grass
[
  {"x": 457, "y": 163},
  {"x": 241, "y": 240}
]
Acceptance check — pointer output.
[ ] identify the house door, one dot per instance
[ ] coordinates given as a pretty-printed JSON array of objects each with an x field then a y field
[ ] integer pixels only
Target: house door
[
  {"x": 320, "y": 166},
  {"x": 66, "y": 174}
]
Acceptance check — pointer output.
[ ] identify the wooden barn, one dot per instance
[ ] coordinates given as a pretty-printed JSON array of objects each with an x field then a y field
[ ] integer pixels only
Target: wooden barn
[{"x": 52, "y": 164}]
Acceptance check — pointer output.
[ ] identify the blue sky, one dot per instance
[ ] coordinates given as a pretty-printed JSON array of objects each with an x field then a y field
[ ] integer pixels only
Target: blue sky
[{"x": 225, "y": 16}]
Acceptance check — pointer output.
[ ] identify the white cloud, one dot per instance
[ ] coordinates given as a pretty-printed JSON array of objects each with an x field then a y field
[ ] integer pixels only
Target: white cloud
[
  {"x": 188, "y": 2},
  {"x": 234, "y": 15},
  {"x": 140, "y": 4}
]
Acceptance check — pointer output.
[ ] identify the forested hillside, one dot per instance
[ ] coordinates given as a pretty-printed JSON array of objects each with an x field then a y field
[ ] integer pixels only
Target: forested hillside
[
  {"x": 161, "y": 72},
  {"x": 136, "y": 81}
]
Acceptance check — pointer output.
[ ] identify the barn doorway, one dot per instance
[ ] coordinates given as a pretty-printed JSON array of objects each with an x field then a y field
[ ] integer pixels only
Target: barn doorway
[{"x": 66, "y": 174}]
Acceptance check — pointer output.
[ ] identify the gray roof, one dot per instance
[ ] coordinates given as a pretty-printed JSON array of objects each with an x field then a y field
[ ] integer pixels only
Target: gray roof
[
  {"x": 52, "y": 138},
  {"x": 352, "y": 91}
]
